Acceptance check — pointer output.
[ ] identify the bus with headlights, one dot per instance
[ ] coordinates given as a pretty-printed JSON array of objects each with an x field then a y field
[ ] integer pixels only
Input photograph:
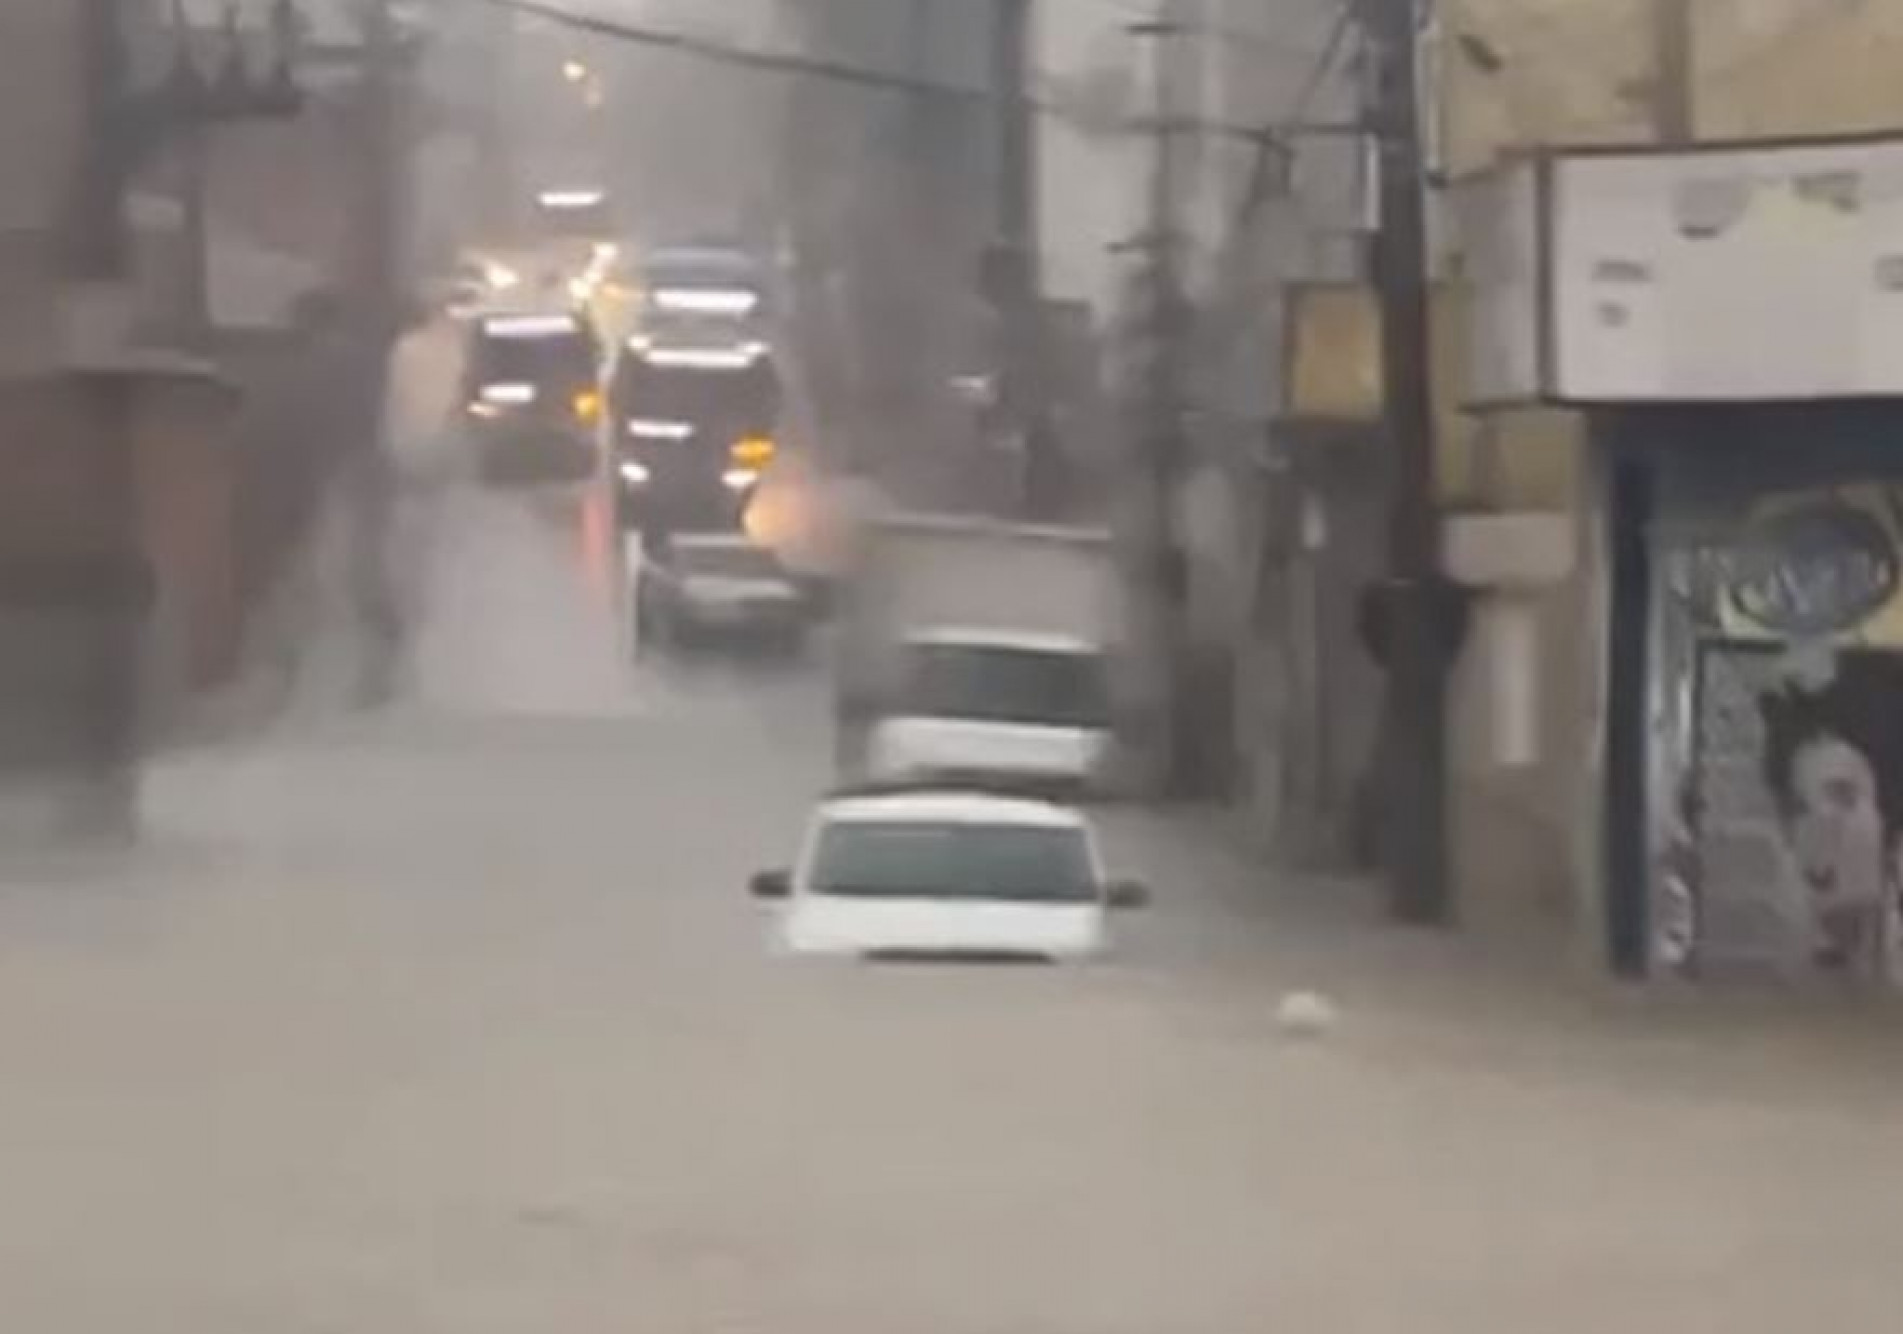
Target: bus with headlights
[
  {"x": 693, "y": 420},
  {"x": 532, "y": 397}
]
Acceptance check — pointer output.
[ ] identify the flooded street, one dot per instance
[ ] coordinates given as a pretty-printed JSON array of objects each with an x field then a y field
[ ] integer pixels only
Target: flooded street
[{"x": 454, "y": 1017}]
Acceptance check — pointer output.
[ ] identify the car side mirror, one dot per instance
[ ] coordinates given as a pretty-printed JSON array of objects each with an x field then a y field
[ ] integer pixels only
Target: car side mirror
[
  {"x": 771, "y": 885},
  {"x": 1124, "y": 894}
]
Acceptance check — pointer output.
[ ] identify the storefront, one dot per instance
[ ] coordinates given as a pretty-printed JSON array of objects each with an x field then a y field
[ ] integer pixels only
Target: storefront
[
  {"x": 1728, "y": 321},
  {"x": 1768, "y": 735}
]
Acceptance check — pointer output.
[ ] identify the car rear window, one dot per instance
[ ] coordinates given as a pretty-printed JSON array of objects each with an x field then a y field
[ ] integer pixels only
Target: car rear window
[
  {"x": 1008, "y": 685},
  {"x": 556, "y": 358}
]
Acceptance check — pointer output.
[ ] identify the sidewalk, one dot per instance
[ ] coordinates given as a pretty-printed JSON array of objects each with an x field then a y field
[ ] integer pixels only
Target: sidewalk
[
  {"x": 302, "y": 644},
  {"x": 1407, "y": 995}
]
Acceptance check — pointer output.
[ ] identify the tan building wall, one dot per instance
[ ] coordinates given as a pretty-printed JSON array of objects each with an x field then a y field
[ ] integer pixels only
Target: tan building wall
[
  {"x": 1777, "y": 68},
  {"x": 1518, "y": 74},
  {"x": 69, "y": 440},
  {"x": 39, "y": 108},
  {"x": 1515, "y": 74}
]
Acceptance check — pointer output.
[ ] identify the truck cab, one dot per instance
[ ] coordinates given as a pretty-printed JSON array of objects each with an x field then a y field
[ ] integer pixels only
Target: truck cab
[
  {"x": 996, "y": 708},
  {"x": 532, "y": 399},
  {"x": 692, "y": 422}
]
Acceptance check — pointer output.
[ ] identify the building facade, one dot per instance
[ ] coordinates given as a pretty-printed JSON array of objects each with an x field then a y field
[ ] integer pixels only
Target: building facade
[{"x": 1682, "y": 574}]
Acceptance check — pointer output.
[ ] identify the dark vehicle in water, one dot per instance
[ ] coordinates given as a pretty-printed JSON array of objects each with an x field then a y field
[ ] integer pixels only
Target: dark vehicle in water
[
  {"x": 532, "y": 397},
  {"x": 722, "y": 282},
  {"x": 692, "y": 425},
  {"x": 703, "y": 589}
]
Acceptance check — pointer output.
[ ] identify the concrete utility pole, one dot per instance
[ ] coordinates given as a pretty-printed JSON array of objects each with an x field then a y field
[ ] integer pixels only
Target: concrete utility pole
[
  {"x": 1672, "y": 68},
  {"x": 114, "y": 591},
  {"x": 1019, "y": 279},
  {"x": 1416, "y": 610},
  {"x": 193, "y": 165},
  {"x": 374, "y": 322},
  {"x": 98, "y": 235},
  {"x": 1167, "y": 327},
  {"x": 384, "y": 136}
]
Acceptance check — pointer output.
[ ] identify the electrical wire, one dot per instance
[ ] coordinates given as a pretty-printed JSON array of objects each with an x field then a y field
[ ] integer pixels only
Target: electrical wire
[
  {"x": 1256, "y": 193},
  {"x": 1276, "y": 41},
  {"x": 725, "y": 53}
]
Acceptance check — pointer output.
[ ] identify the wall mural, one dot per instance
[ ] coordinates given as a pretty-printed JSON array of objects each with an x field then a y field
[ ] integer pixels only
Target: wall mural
[{"x": 1779, "y": 692}]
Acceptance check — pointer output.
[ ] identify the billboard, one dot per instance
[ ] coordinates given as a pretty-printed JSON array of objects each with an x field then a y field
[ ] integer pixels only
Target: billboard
[{"x": 1719, "y": 274}]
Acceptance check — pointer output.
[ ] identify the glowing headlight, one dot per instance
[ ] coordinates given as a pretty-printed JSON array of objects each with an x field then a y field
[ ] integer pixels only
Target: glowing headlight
[
  {"x": 707, "y": 300},
  {"x": 564, "y": 200},
  {"x": 737, "y": 358},
  {"x": 739, "y": 479},
  {"x": 507, "y": 395},
  {"x": 659, "y": 428},
  {"x": 634, "y": 474}
]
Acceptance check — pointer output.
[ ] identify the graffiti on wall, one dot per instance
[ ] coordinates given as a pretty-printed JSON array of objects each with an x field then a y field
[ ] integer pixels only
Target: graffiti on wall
[{"x": 1786, "y": 848}]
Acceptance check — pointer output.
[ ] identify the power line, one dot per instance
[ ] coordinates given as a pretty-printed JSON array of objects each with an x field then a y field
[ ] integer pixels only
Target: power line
[
  {"x": 1256, "y": 193},
  {"x": 739, "y": 57},
  {"x": 1276, "y": 38},
  {"x": 794, "y": 64}
]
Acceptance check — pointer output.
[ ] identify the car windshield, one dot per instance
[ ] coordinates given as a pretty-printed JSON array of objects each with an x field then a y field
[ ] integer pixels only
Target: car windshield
[
  {"x": 953, "y": 860},
  {"x": 554, "y": 358},
  {"x": 746, "y": 396},
  {"x": 992, "y": 683}
]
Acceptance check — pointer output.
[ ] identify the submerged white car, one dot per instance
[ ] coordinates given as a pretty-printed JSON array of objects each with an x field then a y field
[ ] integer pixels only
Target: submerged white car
[{"x": 946, "y": 874}]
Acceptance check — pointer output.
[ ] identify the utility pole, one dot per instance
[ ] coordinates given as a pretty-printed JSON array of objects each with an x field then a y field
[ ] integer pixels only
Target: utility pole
[
  {"x": 1672, "y": 46},
  {"x": 384, "y": 133},
  {"x": 119, "y": 574},
  {"x": 99, "y": 243},
  {"x": 1167, "y": 324},
  {"x": 376, "y": 318},
  {"x": 193, "y": 165},
  {"x": 1018, "y": 272},
  {"x": 1416, "y": 608}
]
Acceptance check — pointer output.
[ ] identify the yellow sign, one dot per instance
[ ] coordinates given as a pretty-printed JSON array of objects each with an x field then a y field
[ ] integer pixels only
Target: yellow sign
[{"x": 1334, "y": 354}]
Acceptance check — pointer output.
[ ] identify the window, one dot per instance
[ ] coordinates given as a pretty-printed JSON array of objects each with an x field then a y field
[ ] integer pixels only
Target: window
[
  {"x": 566, "y": 359},
  {"x": 951, "y": 860},
  {"x": 747, "y": 398},
  {"x": 1008, "y": 685}
]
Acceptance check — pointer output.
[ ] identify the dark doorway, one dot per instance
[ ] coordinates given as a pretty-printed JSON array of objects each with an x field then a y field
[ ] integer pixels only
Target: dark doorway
[{"x": 1630, "y": 509}]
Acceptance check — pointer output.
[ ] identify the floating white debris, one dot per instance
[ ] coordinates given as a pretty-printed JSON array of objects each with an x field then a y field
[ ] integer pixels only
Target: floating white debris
[{"x": 1305, "y": 1014}]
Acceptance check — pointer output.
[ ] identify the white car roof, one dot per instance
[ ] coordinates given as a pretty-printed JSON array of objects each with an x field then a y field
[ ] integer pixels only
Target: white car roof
[
  {"x": 514, "y": 324},
  {"x": 1032, "y": 641},
  {"x": 950, "y": 807},
  {"x": 716, "y": 542}
]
